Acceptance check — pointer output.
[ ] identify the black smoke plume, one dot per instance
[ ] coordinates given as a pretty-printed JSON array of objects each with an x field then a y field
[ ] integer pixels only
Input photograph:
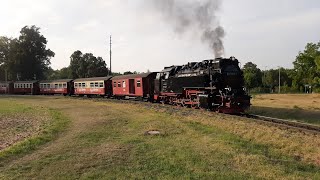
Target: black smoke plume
[{"x": 198, "y": 16}]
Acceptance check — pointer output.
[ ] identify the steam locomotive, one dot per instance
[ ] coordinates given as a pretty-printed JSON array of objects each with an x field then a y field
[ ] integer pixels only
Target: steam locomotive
[{"x": 214, "y": 84}]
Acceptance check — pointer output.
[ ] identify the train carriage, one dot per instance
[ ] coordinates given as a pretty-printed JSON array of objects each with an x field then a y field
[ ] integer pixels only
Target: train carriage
[
  {"x": 6, "y": 87},
  {"x": 26, "y": 87},
  {"x": 98, "y": 86},
  {"x": 134, "y": 86},
  {"x": 61, "y": 86}
]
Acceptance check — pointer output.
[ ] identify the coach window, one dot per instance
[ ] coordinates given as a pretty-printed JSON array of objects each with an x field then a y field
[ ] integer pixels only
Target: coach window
[
  {"x": 96, "y": 84},
  {"x": 101, "y": 84},
  {"x": 119, "y": 84},
  {"x": 138, "y": 83},
  {"x": 56, "y": 86},
  {"x": 64, "y": 85},
  {"x": 92, "y": 85},
  {"x": 75, "y": 85},
  {"x": 123, "y": 84},
  {"x": 83, "y": 85},
  {"x": 114, "y": 84}
]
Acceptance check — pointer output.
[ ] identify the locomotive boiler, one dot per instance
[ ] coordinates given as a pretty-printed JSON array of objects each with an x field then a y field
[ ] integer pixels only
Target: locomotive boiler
[{"x": 214, "y": 84}]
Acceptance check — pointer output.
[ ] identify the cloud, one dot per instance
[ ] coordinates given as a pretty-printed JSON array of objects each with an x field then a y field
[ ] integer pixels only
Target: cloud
[{"x": 87, "y": 26}]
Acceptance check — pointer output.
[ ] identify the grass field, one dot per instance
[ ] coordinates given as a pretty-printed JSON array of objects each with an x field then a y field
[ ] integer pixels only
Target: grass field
[
  {"x": 301, "y": 107},
  {"x": 107, "y": 140}
]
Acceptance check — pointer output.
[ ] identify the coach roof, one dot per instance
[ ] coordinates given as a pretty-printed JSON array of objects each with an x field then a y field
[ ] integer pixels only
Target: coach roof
[
  {"x": 57, "y": 81},
  {"x": 132, "y": 76},
  {"x": 4, "y": 82},
  {"x": 34, "y": 81},
  {"x": 93, "y": 79}
]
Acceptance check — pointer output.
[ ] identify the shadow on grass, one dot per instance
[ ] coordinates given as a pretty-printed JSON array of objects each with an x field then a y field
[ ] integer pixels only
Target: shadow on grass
[{"x": 297, "y": 113}]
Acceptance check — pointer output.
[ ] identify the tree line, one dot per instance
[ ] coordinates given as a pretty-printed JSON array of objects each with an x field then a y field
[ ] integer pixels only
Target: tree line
[
  {"x": 304, "y": 76},
  {"x": 28, "y": 58}
]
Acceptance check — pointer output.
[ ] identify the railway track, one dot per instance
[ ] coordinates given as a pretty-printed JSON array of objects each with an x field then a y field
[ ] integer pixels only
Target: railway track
[{"x": 286, "y": 123}]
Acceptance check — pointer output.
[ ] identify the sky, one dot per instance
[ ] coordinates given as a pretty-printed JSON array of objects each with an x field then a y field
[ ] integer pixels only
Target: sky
[{"x": 269, "y": 33}]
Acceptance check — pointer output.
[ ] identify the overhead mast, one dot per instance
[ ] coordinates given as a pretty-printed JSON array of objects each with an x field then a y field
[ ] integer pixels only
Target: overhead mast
[{"x": 110, "y": 55}]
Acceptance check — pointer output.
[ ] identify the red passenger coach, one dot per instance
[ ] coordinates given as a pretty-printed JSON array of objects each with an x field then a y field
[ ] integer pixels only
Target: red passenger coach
[
  {"x": 61, "y": 86},
  {"x": 93, "y": 86},
  {"x": 6, "y": 87},
  {"x": 134, "y": 86},
  {"x": 26, "y": 87}
]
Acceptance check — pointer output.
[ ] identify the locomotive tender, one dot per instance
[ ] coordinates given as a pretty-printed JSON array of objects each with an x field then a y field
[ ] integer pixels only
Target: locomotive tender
[{"x": 214, "y": 84}]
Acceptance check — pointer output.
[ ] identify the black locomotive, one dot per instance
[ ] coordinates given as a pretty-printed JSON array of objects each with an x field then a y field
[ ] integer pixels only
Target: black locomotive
[{"x": 215, "y": 84}]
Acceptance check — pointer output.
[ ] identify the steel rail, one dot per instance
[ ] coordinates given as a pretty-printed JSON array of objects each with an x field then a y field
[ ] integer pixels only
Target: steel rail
[{"x": 291, "y": 124}]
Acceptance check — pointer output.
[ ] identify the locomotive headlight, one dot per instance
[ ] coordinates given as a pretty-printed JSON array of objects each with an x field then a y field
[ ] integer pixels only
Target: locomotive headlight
[
  {"x": 228, "y": 88},
  {"x": 244, "y": 89}
]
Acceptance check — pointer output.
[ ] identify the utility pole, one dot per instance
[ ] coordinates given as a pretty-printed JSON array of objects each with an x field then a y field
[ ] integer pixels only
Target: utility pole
[
  {"x": 110, "y": 55},
  {"x": 279, "y": 81}
]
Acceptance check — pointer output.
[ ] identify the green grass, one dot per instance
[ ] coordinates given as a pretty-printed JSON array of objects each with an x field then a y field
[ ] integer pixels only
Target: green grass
[
  {"x": 108, "y": 141},
  {"x": 58, "y": 122}
]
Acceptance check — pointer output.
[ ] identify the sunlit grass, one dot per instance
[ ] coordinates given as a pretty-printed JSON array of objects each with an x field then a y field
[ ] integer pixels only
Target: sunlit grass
[{"x": 299, "y": 107}]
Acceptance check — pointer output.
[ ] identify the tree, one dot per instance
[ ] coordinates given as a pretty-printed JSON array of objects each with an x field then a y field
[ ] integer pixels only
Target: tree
[
  {"x": 127, "y": 72},
  {"x": 5, "y": 46},
  {"x": 27, "y": 57},
  {"x": 306, "y": 66},
  {"x": 252, "y": 75},
  {"x": 4, "y": 49},
  {"x": 87, "y": 65},
  {"x": 75, "y": 61},
  {"x": 64, "y": 73}
]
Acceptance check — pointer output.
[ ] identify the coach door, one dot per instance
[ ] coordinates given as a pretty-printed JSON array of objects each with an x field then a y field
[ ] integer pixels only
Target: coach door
[{"x": 132, "y": 88}]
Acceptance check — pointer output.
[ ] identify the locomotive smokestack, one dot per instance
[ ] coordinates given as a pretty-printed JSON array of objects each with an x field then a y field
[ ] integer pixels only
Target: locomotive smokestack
[{"x": 198, "y": 16}]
